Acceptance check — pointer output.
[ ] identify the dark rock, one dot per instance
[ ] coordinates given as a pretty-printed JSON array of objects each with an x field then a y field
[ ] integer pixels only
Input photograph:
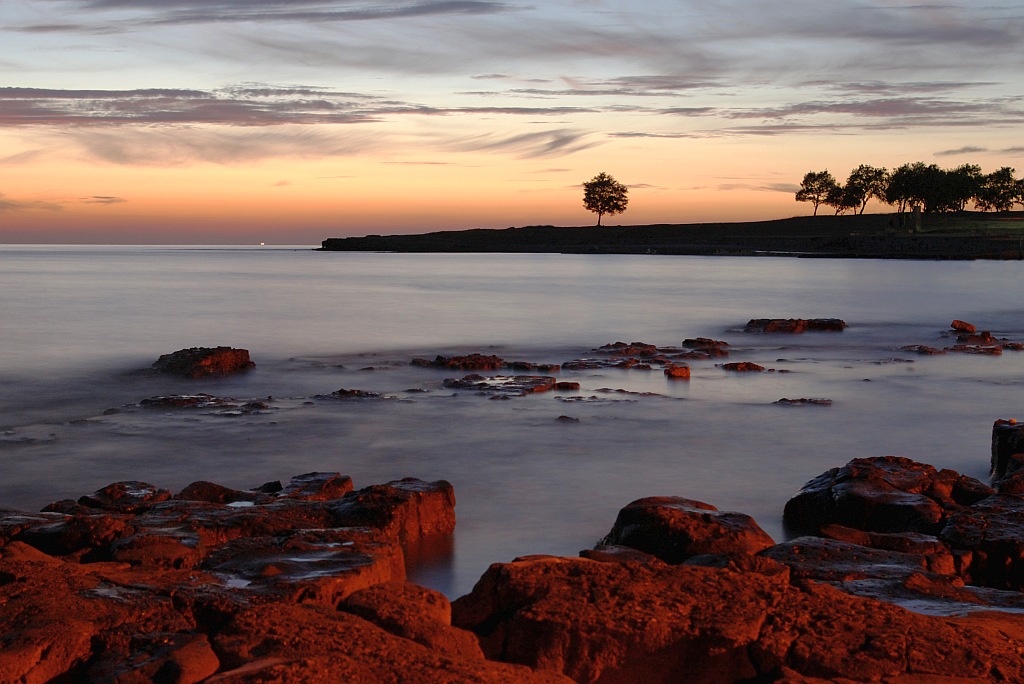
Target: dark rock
[
  {"x": 923, "y": 350},
  {"x": 993, "y": 530},
  {"x": 317, "y": 487},
  {"x": 567, "y": 419},
  {"x": 674, "y": 529},
  {"x": 129, "y": 496},
  {"x": 886, "y": 494},
  {"x": 984, "y": 350},
  {"x": 707, "y": 346},
  {"x": 803, "y": 402},
  {"x": 742, "y": 367},
  {"x": 1007, "y": 441},
  {"x": 201, "y": 362},
  {"x": 215, "y": 493},
  {"x": 354, "y": 394},
  {"x": 469, "y": 362},
  {"x": 794, "y": 325},
  {"x": 507, "y": 385}
]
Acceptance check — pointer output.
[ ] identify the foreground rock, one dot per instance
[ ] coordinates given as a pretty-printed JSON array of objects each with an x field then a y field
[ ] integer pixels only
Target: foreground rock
[
  {"x": 135, "y": 584},
  {"x": 201, "y": 362},
  {"x": 305, "y": 581},
  {"x": 638, "y": 621}
]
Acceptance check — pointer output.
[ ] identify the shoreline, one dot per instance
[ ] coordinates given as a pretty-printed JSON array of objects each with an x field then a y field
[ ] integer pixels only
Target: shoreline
[{"x": 964, "y": 236}]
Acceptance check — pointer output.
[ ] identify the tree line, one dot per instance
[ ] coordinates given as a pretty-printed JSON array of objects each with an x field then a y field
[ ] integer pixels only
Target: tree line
[{"x": 929, "y": 187}]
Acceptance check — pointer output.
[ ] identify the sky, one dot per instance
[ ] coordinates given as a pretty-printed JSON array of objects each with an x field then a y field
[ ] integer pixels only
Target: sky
[{"x": 290, "y": 121}]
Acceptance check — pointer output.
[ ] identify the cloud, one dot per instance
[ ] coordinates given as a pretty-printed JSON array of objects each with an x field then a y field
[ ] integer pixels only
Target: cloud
[
  {"x": 968, "y": 149},
  {"x": 238, "y": 105},
  {"x": 102, "y": 199},
  {"x": 178, "y": 12},
  {"x": 553, "y": 143},
  {"x": 14, "y": 205},
  {"x": 162, "y": 146}
]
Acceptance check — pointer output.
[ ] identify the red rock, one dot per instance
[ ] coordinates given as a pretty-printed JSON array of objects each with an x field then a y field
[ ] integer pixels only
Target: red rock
[
  {"x": 407, "y": 509},
  {"x": 212, "y": 492},
  {"x": 887, "y": 494},
  {"x": 743, "y": 367},
  {"x": 654, "y": 623},
  {"x": 281, "y": 643},
  {"x": 962, "y": 326},
  {"x": 708, "y": 345},
  {"x": 674, "y": 529},
  {"x": 317, "y": 487},
  {"x": 126, "y": 497},
  {"x": 923, "y": 350},
  {"x": 201, "y": 362},
  {"x": 414, "y": 613},
  {"x": 677, "y": 372}
]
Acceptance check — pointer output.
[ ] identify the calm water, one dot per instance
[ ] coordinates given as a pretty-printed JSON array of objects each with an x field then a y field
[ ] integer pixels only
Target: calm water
[{"x": 77, "y": 321}]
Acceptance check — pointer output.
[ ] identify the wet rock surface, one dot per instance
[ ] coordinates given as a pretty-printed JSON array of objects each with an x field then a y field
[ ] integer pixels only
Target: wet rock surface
[
  {"x": 201, "y": 362},
  {"x": 305, "y": 581}
]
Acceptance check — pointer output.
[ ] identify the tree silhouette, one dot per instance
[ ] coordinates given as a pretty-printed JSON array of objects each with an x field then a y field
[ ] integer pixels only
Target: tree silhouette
[
  {"x": 867, "y": 182},
  {"x": 816, "y": 187},
  {"x": 602, "y": 195}
]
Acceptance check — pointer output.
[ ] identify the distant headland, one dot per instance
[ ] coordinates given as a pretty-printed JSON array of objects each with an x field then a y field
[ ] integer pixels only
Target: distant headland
[{"x": 963, "y": 235}]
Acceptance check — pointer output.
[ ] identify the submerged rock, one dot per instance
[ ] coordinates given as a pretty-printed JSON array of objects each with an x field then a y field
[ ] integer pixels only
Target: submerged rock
[
  {"x": 510, "y": 385},
  {"x": 201, "y": 362},
  {"x": 469, "y": 362},
  {"x": 803, "y": 402}
]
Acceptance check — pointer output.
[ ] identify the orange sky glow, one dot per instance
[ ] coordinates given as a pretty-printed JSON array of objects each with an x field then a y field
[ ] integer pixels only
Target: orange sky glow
[{"x": 288, "y": 122}]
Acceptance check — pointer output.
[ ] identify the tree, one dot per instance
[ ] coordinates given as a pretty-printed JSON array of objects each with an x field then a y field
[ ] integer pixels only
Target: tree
[
  {"x": 999, "y": 191},
  {"x": 602, "y": 195},
  {"x": 815, "y": 188},
  {"x": 843, "y": 198},
  {"x": 866, "y": 183}
]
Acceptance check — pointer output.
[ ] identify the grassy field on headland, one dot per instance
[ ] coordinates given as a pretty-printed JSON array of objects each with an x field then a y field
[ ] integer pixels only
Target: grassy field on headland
[{"x": 964, "y": 235}]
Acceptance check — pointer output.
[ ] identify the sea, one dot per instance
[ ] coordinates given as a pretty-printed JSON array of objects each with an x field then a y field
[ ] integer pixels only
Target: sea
[{"x": 80, "y": 327}]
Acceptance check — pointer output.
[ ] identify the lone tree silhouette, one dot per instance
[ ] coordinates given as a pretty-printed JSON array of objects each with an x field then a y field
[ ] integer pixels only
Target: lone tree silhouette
[
  {"x": 602, "y": 195},
  {"x": 815, "y": 188}
]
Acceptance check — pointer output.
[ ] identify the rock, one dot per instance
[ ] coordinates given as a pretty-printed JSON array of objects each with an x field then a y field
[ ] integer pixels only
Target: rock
[
  {"x": 923, "y": 350},
  {"x": 962, "y": 326},
  {"x": 280, "y": 643},
  {"x": 707, "y": 346},
  {"x": 674, "y": 529},
  {"x": 985, "y": 350},
  {"x": 886, "y": 494},
  {"x": 567, "y": 419},
  {"x": 529, "y": 366},
  {"x": 993, "y": 530},
  {"x": 677, "y": 371},
  {"x": 470, "y": 362},
  {"x": 317, "y": 487},
  {"x": 414, "y": 613},
  {"x": 136, "y": 586},
  {"x": 1007, "y": 441},
  {"x": 126, "y": 497},
  {"x": 803, "y": 402},
  {"x": 201, "y": 362},
  {"x": 742, "y": 367},
  {"x": 507, "y": 385},
  {"x": 354, "y": 394},
  {"x": 794, "y": 325},
  {"x": 654, "y": 623}
]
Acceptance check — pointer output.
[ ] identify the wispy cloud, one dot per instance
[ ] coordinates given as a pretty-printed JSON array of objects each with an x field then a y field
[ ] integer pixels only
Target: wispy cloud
[
  {"x": 528, "y": 145},
  {"x": 967, "y": 149},
  {"x": 102, "y": 199},
  {"x": 13, "y": 205}
]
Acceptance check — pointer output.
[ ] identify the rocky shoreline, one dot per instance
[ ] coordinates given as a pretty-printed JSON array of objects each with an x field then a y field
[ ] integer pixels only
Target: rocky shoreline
[{"x": 904, "y": 573}]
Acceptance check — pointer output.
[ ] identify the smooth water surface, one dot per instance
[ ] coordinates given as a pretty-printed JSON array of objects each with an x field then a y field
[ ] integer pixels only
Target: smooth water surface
[{"x": 78, "y": 323}]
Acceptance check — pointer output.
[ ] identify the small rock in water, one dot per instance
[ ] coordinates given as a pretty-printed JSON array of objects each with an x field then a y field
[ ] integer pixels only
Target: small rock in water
[
  {"x": 803, "y": 402},
  {"x": 201, "y": 362}
]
